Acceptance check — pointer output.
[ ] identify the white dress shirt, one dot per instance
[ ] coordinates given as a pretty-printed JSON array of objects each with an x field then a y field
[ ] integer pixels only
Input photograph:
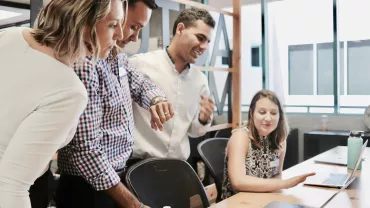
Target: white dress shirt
[
  {"x": 183, "y": 91},
  {"x": 41, "y": 101}
]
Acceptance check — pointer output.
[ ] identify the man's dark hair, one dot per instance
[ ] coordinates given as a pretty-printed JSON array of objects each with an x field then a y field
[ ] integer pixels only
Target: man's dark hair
[
  {"x": 150, "y": 3},
  {"x": 190, "y": 15}
]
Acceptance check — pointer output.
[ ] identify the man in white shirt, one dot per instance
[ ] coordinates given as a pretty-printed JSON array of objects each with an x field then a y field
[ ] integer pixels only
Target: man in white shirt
[{"x": 185, "y": 86}]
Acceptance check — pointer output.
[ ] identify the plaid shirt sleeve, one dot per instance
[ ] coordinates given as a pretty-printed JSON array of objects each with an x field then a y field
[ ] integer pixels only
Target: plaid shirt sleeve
[
  {"x": 88, "y": 156},
  {"x": 142, "y": 89}
]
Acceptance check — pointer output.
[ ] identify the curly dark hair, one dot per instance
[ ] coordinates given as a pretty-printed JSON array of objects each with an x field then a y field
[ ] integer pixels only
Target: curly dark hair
[
  {"x": 150, "y": 3},
  {"x": 190, "y": 15}
]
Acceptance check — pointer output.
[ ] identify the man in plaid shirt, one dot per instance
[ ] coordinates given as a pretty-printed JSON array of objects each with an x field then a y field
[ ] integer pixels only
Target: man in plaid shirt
[{"x": 96, "y": 157}]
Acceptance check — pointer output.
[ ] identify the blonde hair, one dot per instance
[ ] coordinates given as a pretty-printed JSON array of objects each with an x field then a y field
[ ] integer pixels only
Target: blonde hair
[
  {"x": 61, "y": 25},
  {"x": 279, "y": 135}
]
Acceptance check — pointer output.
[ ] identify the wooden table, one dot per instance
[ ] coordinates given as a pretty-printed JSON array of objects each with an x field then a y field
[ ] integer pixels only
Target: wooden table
[
  {"x": 22, "y": 17},
  {"x": 357, "y": 195}
]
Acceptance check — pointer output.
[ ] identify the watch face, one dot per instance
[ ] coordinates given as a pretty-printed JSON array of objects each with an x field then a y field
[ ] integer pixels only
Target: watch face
[
  {"x": 367, "y": 117},
  {"x": 157, "y": 100}
]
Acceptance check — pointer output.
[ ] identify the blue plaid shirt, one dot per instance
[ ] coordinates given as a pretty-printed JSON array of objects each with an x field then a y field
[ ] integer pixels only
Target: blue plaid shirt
[{"x": 104, "y": 138}]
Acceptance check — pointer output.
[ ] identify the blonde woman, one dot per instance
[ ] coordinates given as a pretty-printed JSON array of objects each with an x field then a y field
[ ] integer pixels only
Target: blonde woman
[
  {"x": 41, "y": 96},
  {"x": 255, "y": 153}
]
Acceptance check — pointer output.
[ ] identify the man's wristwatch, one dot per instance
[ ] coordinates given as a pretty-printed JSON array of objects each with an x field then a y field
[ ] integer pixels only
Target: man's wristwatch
[
  {"x": 141, "y": 205},
  {"x": 157, "y": 100}
]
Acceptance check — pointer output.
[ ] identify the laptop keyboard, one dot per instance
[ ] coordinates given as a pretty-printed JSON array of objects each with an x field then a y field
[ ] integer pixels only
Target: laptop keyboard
[
  {"x": 303, "y": 206},
  {"x": 277, "y": 204},
  {"x": 336, "y": 179}
]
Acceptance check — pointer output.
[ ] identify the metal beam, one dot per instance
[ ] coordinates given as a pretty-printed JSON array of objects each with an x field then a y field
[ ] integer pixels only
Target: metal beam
[
  {"x": 35, "y": 6},
  {"x": 265, "y": 41},
  {"x": 336, "y": 58}
]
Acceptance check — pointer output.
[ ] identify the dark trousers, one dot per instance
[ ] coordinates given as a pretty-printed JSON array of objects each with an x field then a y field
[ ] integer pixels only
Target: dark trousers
[
  {"x": 75, "y": 192},
  {"x": 39, "y": 191}
]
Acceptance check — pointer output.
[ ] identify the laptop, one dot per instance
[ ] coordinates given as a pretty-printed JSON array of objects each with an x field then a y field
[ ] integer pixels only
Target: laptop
[
  {"x": 280, "y": 204},
  {"x": 335, "y": 180},
  {"x": 331, "y": 159}
]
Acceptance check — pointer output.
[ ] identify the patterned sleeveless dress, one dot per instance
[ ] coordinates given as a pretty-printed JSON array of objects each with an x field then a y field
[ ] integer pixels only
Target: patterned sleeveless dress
[{"x": 257, "y": 163}]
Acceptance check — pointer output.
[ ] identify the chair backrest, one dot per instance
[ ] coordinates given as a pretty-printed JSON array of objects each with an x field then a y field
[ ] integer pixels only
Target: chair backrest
[
  {"x": 212, "y": 152},
  {"x": 223, "y": 133},
  {"x": 166, "y": 182}
]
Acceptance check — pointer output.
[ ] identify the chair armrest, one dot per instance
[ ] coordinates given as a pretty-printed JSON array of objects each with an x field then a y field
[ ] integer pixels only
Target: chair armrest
[{"x": 211, "y": 193}]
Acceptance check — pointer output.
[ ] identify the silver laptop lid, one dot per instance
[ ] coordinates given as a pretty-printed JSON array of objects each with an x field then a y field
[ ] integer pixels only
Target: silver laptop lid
[{"x": 351, "y": 177}]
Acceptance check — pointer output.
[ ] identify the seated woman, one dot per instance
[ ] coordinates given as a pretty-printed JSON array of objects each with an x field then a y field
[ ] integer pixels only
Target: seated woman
[{"x": 256, "y": 152}]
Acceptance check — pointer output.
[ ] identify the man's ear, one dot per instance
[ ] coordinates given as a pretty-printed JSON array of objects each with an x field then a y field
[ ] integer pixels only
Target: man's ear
[{"x": 180, "y": 28}]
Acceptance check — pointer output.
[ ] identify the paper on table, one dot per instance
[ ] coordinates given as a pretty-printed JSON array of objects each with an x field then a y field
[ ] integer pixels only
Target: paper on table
[{"x": 7, "y": 14}]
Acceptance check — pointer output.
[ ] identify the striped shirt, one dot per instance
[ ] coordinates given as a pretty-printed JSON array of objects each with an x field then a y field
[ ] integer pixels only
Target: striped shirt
[{"x": 104, "y": 138}]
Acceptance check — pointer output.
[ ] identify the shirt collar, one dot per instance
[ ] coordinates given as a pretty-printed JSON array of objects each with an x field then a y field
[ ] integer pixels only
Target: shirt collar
[
  {"x": 187, "y": 66},
  {"x": 114, "y": 64}
]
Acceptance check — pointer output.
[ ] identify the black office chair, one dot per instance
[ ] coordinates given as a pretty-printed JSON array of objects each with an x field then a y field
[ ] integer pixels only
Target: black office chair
[
  {"x": 212, "y": 152},
  {"x": 166, "y": 182},
  {"x": 223, "y": 133}
]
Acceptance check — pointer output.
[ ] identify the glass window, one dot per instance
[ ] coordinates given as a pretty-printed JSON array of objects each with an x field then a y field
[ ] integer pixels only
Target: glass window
[
  {"x": 358, "y": 60},
  {"x": 301, "y": 69},
  {"x": 256, "y": 56},
  {"x": 325, "y": 69}
]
